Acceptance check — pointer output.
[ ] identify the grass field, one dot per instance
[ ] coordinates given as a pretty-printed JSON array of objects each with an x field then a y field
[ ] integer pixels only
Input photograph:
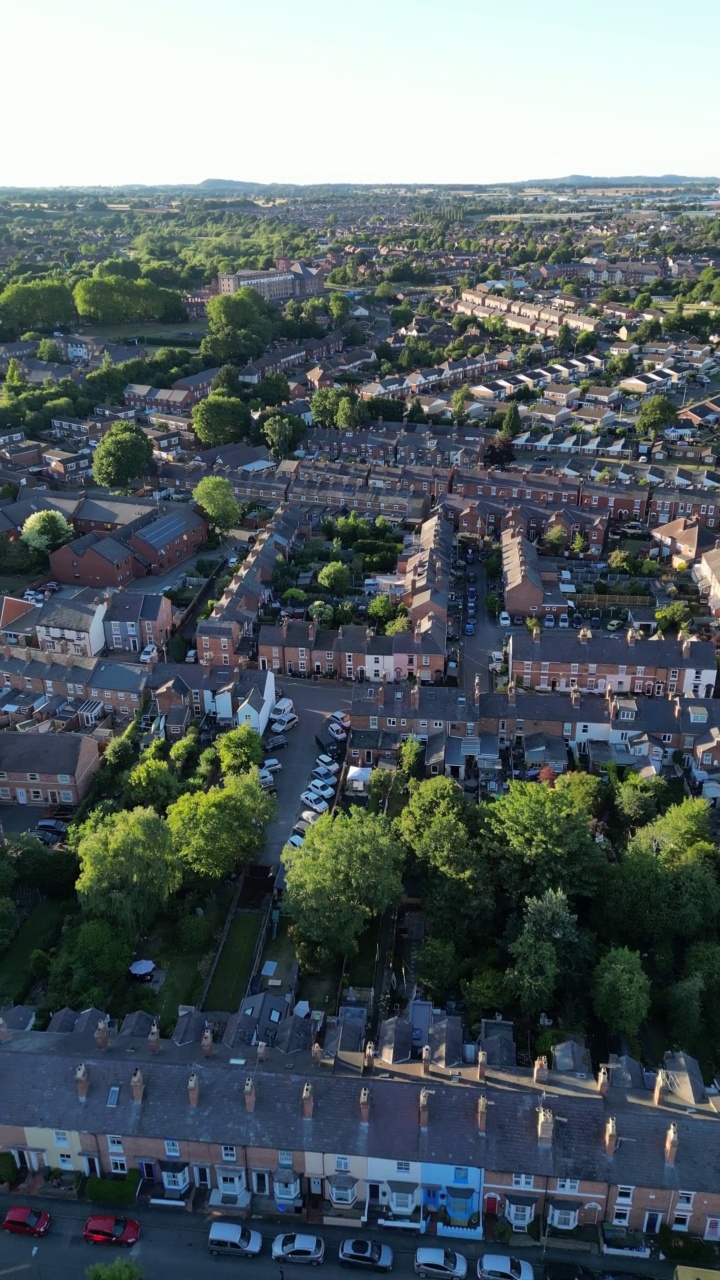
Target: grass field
[
  {"x": 149, "y": 332},
  {"x": 38, "y": 932},
  {"x": 233, "y": 970}
]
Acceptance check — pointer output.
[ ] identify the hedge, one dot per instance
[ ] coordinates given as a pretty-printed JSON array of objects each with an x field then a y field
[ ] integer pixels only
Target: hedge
[
  {"x": 680, "y": 1248},
  {"x": 114, "y": 1190}
]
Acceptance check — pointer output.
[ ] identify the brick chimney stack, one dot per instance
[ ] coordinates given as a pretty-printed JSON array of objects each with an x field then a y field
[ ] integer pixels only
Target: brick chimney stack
[
  {"x": 546, "y": 1125},
  {"x": 660, "y": 1089},
  {"x": 671, "y": 1144},
  {"x": 631, "y": 637},
  {"x": 611, "y": 1138},
  {"x": 603, "y": 1081},
  {"x": 369, "y": 1060},
  {"x": 426, "y": 1060},
  {"x": 424, "y": 1107},
  {"x": 137, "y": 1085},
  {"x": 540, "y": 1070},
  {"x": 415, "y": 696},
  {"x": 537, "y": 634},
  {"x": 193, "y": 1090},
  {"x": 365, "y": 1106},
  {"x": 481, "y": 1114},
  {"x": 316, "y": 1054},
  {"x": 102, "y": 1035},
  {"x": 511, "y": 693},
  {"x": 207, "y": 1042},
  {"x": 481, "y": 1066},
  {"x": 82, "y": 1081},
  {"x": 154, "y": 1038},
  {"x": 308, "y": 1101},
  {"x": 249, "y": 1093}
]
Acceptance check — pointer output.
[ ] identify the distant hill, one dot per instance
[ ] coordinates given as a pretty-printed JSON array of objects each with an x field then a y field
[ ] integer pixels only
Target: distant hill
[{"x": 636, "y": 180}]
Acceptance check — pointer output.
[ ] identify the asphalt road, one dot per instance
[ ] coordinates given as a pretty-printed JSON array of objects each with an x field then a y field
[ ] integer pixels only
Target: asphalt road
[
  {"x": 173, "y": 1243},
  {"x": 313, "y": 702}
]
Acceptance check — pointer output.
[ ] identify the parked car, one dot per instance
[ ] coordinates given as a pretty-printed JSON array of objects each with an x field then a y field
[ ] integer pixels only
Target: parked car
[
  {"x": 101, "y": 1229},
  {"x": 308, "y": 815},
  {"x": 313, "y": 801},
  {"x": 23, "y": 1221},
  {"x": 301, "y": 827},
  {"x": 53, "y": 824},
  {"x": 328, "y": 748},
  {"x": 469, "y": 628},
  {"x": 564, "y": 621},
  {"x": 149, "y": 653},
  {"x": 549, "y": 620},
  {"x": 49, "y": 838},
  {"x": 297, "y": 1247},
  {"x": 267, "y": 782},
  {"x": 504, "y": 619},
  {"x": 191, "y": 655},
  {"x": 500, "y": 1266},
  {"x": 445, "y": 1263},
  {"x": 596, "y": 623},
  {"x": 336, "y": 731},
  {"x": 63, "y": 812},
  {"x": 518, "y": 620},
  {"x": 284, "y": 707},
  {"x": 578, "y": 621},
  {"x": 321, "y": 788},
  {"x": 282, "y": 726},
  {"x": 324, "y": 775},
  {"x": 327, "y": 762},
  {"x": 276, "y": 742},
  {"x": 295, "y": 841},
  {"x": 271, "y": 765},
  {"x": 234, "y": 1240},
  {"x": 342, "y": 718},
  {"x": 471, "y": 575},
  {"x": 368, "y": 1255},
  {"x": 615, "y": 624}
]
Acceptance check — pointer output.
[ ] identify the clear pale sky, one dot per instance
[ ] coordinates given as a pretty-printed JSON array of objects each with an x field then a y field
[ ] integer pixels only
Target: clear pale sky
[{"x": 161, "y": 91}]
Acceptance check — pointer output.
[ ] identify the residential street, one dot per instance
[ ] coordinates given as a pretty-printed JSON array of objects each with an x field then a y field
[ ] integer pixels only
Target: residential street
[{"x": 175, "y": 1243}]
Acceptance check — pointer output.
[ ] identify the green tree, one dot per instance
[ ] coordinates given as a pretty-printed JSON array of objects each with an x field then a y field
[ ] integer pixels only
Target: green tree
[
  {"x": 123, "y": 455},
  {"x": 220, "y": 419},
  {"x": 564, "y": 340},
  {"x": 214, "y": 494},
  {"x": 411, "y": 757},
  {"x": 152, "y": 783},
  {"x": 438, "y": 967},
  {"x": 347, "y": 871},
  {"x": 46, "y": 530},
  {"x": 555, "y": 538},
  {"x": 120, "y": 1269},
  {"x": 587, "y": 792},
  {"x": 49, "y": 351},
  {"x": 685, "y": 1012},
  {"x": 339, "y": 306},
  {"x": 8, "y": 922},
  {"x": 673, "y": 615},
  {"x": 538, "y": 840},
  {"x": 531, "y": 979},
  {"x": 655, "y": 415},
  {"x": 380, "y": 610},
  {"x": 324, "y": 405},
  {"x": 621, "y": 991},
  {"x": 281, "y": 436},
  {"x": 42, "y": 304},
  {"x": 398, "y": 626},
  {"x": 671, "y": 836},
  {"x": 239, "y": 750},
  {"x": 638, "y": 800},
  {"x": 348, "y": 415},
  {"x": 550, "y": 917},
  {"x": 511, "y": 422},
  {"x": 15, "y": 376},
  {"x": 212, "y": 831},
  {"x": 273, "y": 389},
  {"x": 128, "y": 868},
  {"x": 335, "y": 577},
  {"x": 458, "y": 401}
]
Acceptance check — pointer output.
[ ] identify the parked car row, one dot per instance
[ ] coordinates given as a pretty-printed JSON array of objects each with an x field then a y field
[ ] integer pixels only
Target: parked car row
[{"x": 99, "y": 1229}]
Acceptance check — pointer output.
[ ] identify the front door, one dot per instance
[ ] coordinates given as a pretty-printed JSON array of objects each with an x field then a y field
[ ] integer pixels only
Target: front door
[
  {"x": 92, "y": 1166},
  {"x": 52, "y": 797},
  {"x": 202, "y": 1175},
  {"x": 652, "y": 1223},
  {"x": 147, "y": 1169},
  {"x": 712, "y": 1230},
  {"x": 21, "y": 795}
]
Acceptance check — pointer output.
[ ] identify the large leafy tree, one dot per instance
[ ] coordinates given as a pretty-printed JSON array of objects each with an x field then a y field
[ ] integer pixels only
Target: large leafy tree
[
  {"x": 539, "y": 840},
  {"x": 220, "y": 419},
  {"x": 281, "y": 435},
  {"x": 347, "y": 871},
  {"x": 239, "y": 750},
  {"x": 532, "y": 977},
  {"x": 212, "y": 831},
  {"x": 215, "y": 495},
  {"x": 152, "y": 783},
  {"x": 240, "y": 327},
  {"x": 124, "y": 454},
  {"x": 128, "y": 868},
  {"x": 621, "y": 991},
  {"x": 41, "y": 304},
  {"x": 46, "y": 530},
  {"x": 655, "y": 416},
  {"x": 335, "y": 577}
]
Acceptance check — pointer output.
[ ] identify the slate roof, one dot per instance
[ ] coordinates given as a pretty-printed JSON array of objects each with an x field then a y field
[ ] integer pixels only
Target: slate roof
[{"x": 40, "y": 752}]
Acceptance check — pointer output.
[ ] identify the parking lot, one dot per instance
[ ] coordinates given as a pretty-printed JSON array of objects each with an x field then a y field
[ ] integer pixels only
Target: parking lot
[{"x": 313, "y": 703}]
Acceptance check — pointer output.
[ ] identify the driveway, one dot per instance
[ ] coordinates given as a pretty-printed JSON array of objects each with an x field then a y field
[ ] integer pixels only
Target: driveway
[{"x": 313, "y": 702}]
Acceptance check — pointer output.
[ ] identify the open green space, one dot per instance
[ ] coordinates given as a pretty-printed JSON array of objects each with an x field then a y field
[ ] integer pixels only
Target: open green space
[
  {"x": 149, "y": 331},
  {"x": 233, "y": 969},
  {"x": 37, "y": 933}
]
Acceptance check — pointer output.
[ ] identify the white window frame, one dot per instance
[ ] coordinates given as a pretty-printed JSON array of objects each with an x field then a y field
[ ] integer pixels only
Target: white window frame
[
  {"x": 229, "y": 1154},
  {"x": 172, "y": 1148},
  {"x": 522, "y": 1181}
]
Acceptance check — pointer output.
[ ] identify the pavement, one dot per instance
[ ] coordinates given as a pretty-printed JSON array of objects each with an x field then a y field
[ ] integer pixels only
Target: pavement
[
  {"x": 313, "y": 703},
  {"x": 174, "y": 1242}
]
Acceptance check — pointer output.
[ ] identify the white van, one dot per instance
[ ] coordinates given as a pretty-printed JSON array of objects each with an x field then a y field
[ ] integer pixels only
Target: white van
[
  {"x": 282, "y": 708},
  {"x": 234, "y": 1240}
]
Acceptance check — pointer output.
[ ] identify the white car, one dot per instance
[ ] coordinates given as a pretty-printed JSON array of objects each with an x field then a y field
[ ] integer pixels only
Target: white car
[
  {"x": 271, "y": 766},
  {"x": 504, "y": 619},
  {"x": 500, "y": 1266},
  {"x": 563, "y": 621},
  {"x": 342, "y": 718},
  {"x": 336, "y": 731},
  {"x": 266, "y": 780},
  {"x": 327, "y": 762},
  {"x": 297, "y": 1247},
  {"x": 444, "y": 1263},
  {"x": 282, "y": 726},
  {"x": 314, "y": 801},
  {"x": 321, "y": 789},
  {"x": 307, "y": 815},
  {"x": 324, "y": 775},
  {"x": 149, "y": 653},
  {"x": 549, "y": 620}
]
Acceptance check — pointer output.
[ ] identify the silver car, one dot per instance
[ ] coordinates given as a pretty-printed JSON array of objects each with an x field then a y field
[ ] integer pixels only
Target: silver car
[
  {"x": 298, "y": 1247},
  {"x": 366, "y": 1255}
]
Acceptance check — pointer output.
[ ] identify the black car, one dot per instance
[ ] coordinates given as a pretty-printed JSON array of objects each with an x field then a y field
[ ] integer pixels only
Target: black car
[
  {"x": 276, "y": 742},
  {"x": 471, "y": 575},
  {"x": 330, "y": 747}
]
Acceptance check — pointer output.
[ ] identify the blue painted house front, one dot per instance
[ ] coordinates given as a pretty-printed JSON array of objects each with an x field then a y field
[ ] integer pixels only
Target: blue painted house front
[{"x": 452, "y": 1199}]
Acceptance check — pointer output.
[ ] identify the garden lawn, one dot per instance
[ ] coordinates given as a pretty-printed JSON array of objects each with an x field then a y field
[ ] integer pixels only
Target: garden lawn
[
  {"x": 233, "y": 969},
  {"x": 37, "y": 933}
]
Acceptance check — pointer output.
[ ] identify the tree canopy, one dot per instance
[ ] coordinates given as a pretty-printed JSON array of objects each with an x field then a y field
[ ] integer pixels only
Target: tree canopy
[
  {"x": 124, "y": 454},
  {"x": 212, "y": 831},
  {"x": 128, "y": 868},
  {"x": 46, "y": 531},
  {"x": 220, "y": 419},
  {"x": 216, "y": 497}
]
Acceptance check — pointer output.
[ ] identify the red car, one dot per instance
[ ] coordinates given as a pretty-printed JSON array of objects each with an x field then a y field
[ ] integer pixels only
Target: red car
[
  {"x": 26, "y": 1222},
  {"x": 101, "y": 1230}
]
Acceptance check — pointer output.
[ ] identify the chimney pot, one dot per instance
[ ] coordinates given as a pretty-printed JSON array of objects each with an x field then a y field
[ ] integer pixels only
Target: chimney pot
[
  {"x": 137, "y": 1085},
  {"x": 426, "y": 1060},
  {"x": 154, "y": 1038},
  {"x": 671, "y": 1144},
  {"x": 82, "y": 1080},
  {"x": 308, "y": 1100},
  {"x": 540, "y": 1070},
  {"x": 660, "y": 1088},
  {"x": 207, "y": 1042},
  {"x": 316, "y": 1054},
  {"x": 481, "y": 1066},
  {"x": 102, "y": 1036},
  {"x": 611, "y": 1138},
  {"x": 369, "y": 1055},
  {"x": 546, "y": 1124},
  {"x": 424, "y": 1107},
  {"x": 249, "y": 1092},
  {"x": 603, "y": 1081},
  {"x": 193, "y": 1090},
  {"x": 365, "y": 1106}
]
